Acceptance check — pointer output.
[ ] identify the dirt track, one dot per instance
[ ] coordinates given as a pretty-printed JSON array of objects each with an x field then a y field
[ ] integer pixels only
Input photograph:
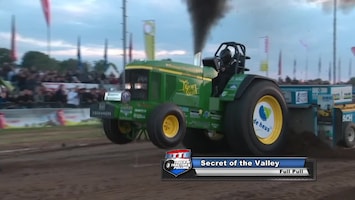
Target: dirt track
[{"x": 108, "y": 171}]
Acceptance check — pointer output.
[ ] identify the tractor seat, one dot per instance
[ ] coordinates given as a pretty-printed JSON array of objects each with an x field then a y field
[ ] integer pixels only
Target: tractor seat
[{"x": 210, "y": 62}]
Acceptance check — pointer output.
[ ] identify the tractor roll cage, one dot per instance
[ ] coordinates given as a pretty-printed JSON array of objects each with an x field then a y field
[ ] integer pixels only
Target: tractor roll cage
[{"x": 238, "y": 51}]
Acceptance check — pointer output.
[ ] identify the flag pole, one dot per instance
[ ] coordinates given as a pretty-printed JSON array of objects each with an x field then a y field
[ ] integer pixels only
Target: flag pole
[
  {"x": 124, "y": 36},
  {"x": 49, "y": 41},
  {"x": 350, "y": 71},
  {"x": 13, "y": 40},
  {"x": 334, "y": 39},
  {"x": 47, "y": 14}
]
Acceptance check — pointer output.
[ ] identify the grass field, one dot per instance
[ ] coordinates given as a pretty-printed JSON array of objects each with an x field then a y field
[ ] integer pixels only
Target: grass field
[{"x": 49, "y": 135}]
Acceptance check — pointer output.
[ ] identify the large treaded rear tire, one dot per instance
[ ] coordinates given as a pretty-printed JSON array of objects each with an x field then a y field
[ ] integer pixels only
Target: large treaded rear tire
[{"x": 256, "y": 122}]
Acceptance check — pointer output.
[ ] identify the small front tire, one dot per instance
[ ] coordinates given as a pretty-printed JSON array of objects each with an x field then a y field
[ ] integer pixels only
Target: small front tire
[
  {"x": 166, "y": 126},
  {"x": 118, "y": 132}
]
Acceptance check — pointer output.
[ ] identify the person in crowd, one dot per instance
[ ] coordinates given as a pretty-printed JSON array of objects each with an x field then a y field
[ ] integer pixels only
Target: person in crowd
[
  {"x": 11, "y": 74},
  {"x": 38, "y": 95},
  {"x": 60, "y": 95},
  {"x": 90, "y": 96},
  {"x": 25, "y": 99},
  {"x": 73, "y": 97},
  {"x": 101, "y": 95},
  {"x": 3, "y": 96},
  {"x": 48, "y": 96},
  {"x": 31, "y": 81},
  {"x": 21, "y": 79}
]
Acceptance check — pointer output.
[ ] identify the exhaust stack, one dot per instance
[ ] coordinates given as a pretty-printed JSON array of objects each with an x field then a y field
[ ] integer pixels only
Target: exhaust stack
[{"x": 198, "y": 59}]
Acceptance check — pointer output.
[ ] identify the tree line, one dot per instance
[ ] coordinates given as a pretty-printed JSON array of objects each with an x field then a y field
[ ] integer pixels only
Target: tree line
[{"x": 42, "y": 61}]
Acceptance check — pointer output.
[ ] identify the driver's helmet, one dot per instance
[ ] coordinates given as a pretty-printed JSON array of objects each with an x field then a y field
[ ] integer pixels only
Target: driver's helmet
[{"x": 226, "y": 56}]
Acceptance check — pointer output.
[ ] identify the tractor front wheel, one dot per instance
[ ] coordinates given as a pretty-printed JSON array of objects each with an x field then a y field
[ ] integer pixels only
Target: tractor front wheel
[
  {"x": 166, "y": 126},
  {"x": 257, "y": 121},
  {"x": 118, "y": 132}
]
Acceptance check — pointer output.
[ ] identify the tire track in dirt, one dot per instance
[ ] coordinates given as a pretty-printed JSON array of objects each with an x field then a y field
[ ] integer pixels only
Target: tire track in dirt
[
  {"x": 340, "y": 177},
  {"x": 87, "y": 172},
  {"x": 107, "y": 172}
]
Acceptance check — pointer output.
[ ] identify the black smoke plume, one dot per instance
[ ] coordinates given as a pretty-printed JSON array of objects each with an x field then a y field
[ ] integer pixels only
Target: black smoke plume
[
  {"x": 204, "y": 14},
  {"x": 328, "y": 5}
]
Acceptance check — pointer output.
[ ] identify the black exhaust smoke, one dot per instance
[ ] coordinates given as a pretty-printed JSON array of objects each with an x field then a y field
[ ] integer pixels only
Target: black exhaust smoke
[
  {"x": 204, "y": 14},
  {"x": 344, "y": 5}
]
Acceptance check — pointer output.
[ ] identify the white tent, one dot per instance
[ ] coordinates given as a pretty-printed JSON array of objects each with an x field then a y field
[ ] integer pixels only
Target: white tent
[{"x": 111, "y": 69}]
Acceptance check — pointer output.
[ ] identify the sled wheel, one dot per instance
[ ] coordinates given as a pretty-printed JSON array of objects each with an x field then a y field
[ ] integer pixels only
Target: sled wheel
[
  {"x": 166, "y": 126},
  {"x": 349, "y": 134},
  {"x": 118, "y": 132},
  {"x": 257, "y": 121}
]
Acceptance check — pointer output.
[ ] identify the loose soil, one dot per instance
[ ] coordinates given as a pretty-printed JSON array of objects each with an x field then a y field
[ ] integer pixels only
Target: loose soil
[{"x": 90, "y": 167}]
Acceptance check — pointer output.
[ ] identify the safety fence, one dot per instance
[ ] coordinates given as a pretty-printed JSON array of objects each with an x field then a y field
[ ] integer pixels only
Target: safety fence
[{"x": 45, "y": 117}]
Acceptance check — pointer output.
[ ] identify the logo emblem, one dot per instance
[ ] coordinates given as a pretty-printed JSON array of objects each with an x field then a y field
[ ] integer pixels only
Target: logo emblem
[
  {"x": 264, "y": 113},
  {"x": 126, "y": 97},
  {"x": 178, "y": 161},
  {"x": 148, "y": 28}
]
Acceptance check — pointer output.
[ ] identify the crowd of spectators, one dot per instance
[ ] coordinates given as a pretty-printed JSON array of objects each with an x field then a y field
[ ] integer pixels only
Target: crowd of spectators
[{"x": 29, "y": 91}]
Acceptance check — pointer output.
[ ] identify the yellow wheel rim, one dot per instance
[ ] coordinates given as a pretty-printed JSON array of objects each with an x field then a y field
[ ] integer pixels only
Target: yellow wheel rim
[
  {"x": 267, "y": 119},
  {"x": 125, "y": 127},
  {"x": 170, "y": 126}
]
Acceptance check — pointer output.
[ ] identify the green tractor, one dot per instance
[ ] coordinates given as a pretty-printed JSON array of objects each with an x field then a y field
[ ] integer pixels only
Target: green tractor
[{"x": 176, "y": 103}]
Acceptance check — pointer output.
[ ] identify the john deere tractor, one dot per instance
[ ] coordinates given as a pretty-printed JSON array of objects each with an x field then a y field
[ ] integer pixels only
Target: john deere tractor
[{"x": 177, "y": 103}]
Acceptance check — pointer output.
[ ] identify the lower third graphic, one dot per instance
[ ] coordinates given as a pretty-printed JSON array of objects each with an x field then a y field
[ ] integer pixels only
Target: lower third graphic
[{"x": 178, "y": 161}]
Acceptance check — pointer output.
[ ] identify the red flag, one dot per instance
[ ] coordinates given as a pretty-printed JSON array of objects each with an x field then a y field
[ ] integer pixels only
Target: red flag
[
  {"x": 13, "y": 40},
  {"x": 46, "y": 11},
  {"x": 280, "y": 64},
  {"x": 130, "y": 48},
  {"x": 353, "y": 50}
]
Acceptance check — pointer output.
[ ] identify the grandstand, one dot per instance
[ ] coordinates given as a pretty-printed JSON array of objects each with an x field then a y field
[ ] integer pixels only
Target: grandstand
[{"x": 30, "y": 88}]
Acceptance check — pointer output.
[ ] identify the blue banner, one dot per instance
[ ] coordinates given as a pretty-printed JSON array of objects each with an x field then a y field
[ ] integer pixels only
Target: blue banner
[{"x": 239, "y": 162}]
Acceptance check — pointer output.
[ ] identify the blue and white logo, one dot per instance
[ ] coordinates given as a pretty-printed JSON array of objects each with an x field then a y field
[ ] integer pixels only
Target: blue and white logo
[{"x": 178, "y": 161}]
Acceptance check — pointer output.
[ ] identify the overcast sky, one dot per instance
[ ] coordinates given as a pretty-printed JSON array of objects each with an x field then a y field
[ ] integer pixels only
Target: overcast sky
[{"x": 290, "y": 25}]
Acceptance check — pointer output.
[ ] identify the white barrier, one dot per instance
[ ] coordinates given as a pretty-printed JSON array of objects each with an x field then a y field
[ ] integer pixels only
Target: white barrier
[{"x": 55, "y": 85}]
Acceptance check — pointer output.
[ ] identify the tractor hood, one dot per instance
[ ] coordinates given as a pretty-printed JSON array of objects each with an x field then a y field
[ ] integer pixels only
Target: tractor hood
[{"x": 173, "y": 68}]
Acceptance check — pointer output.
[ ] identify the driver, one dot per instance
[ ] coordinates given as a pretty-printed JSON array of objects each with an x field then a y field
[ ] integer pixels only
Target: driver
[{"x": 226, "y": 71}]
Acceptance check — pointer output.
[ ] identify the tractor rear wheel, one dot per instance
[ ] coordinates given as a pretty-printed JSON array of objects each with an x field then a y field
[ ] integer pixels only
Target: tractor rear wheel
[
  {"x": 166, "y": 126},
  {"x": 257, "y": 121},
  {"x": 118, "y": 132},
  {"x": 199, "y": 141}
]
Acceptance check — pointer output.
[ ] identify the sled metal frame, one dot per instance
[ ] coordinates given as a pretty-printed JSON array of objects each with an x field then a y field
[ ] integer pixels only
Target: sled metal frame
[{"x": 309, "y": 112}]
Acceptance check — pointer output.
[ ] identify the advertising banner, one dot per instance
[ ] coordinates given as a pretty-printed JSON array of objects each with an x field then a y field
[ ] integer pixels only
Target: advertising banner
[
  {"x": 30, "y": 118},
  {"x": 54, "y": 86}
]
